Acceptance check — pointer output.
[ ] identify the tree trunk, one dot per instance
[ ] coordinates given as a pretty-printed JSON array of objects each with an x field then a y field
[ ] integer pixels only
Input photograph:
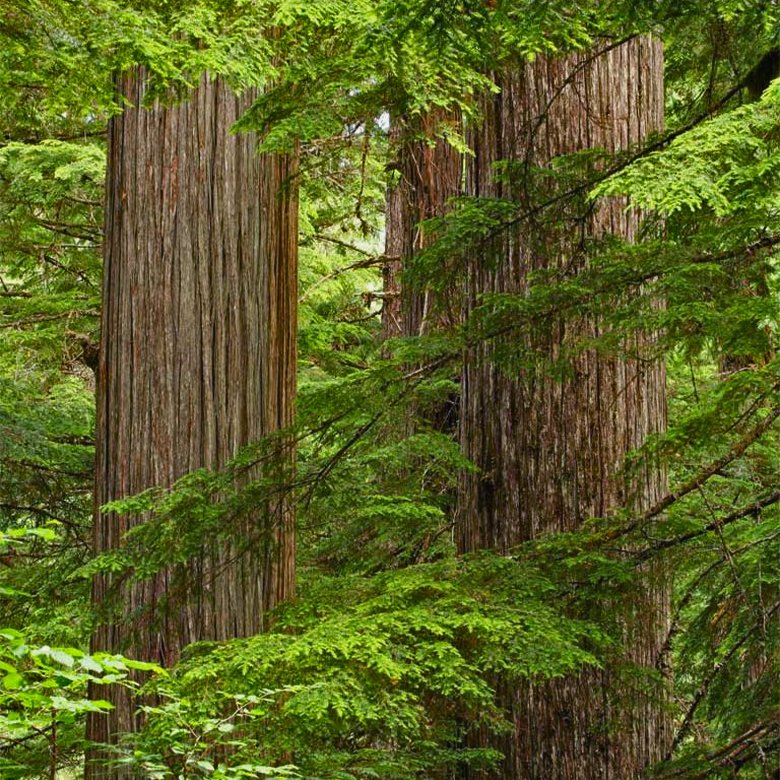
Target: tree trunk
[
  {"x": 550, "y": 452},
  {"x": 197, "y": 360},
  {"x": 428, "y": 175}
]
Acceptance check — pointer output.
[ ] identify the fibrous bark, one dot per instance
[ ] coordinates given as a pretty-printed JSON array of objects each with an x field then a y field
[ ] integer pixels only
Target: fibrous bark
[
  {"x": 428, "y": 175},
  {"x": 197, "y": 360},
  {"x": 550, "y": 452}
]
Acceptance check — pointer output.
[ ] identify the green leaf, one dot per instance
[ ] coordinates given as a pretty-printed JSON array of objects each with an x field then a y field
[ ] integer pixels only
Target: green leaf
[{"x": 13, "y": 681}]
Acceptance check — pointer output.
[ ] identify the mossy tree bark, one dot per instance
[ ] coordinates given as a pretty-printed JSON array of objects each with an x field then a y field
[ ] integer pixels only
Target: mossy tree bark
[
  {"x": 550, "y": 452},
  {"x": 197, "y": 360}
]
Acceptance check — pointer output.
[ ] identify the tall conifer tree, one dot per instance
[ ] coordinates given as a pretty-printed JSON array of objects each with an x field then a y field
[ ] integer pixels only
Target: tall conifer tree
[
  {"x": 550, "y": 450},
  {"x": 197, "y": 360}
]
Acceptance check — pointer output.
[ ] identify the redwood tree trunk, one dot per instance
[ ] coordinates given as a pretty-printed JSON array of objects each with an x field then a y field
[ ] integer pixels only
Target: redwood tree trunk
[
  {"x": 197, "y": 360},
  {"x": 550, "y": 452},
  {"x": 428, "y": 175}
]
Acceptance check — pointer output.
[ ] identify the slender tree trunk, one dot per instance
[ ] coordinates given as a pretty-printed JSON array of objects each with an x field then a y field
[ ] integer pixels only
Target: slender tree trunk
[
  {"x": 550, "y": 452},
  {"x": 197, "y": 360}
]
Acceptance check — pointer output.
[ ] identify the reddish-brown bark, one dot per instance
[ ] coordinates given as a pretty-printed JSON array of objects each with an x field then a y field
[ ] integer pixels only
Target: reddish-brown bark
[
  {"x": 550, "y": 452},
  {"x": 197, "y": 360},
  {"x": 428, "y": 171}
]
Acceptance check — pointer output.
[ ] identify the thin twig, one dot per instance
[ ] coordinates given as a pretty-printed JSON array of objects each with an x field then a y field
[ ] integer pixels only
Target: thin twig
[
  {"x": 367, "y": 262},
  {"x": 703, "y": 476},
  {"x": 751, "y": 510}
]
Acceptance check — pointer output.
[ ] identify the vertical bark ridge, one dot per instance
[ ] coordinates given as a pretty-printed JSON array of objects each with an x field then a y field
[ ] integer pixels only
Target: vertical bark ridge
[
  {"x": 429, "y": 174},
  {"x": 550, "y": 453},
  {"x": 197, "y": 360}
]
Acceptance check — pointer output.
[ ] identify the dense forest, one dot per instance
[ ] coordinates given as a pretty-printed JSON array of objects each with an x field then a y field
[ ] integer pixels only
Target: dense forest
[{"x": 388, "y": 389}]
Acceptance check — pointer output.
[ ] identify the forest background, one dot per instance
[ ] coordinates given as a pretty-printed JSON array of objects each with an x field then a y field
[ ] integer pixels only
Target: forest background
[{"x": 406, "y": 648}]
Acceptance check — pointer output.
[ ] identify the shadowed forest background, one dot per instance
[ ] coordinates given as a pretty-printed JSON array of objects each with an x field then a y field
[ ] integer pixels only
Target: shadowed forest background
[{"x": 389, "y": 389}]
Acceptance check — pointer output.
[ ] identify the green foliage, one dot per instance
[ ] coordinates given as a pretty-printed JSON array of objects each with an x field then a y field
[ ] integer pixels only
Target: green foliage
[
  {"x": 51, "y": 82},
  {"x": 43, "y": 700},
  {"x": 183, "y": 736},
  {"x": 345, "y": 62},
  {"x": 395, "y": 643},
  {"x": 342, "y": 199},
  {"x": 367, "y": 677},
  {"x": 50, "y": 235},
  {"x": 725, "y": 165},
  {"x": 45, "y": 497}
]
